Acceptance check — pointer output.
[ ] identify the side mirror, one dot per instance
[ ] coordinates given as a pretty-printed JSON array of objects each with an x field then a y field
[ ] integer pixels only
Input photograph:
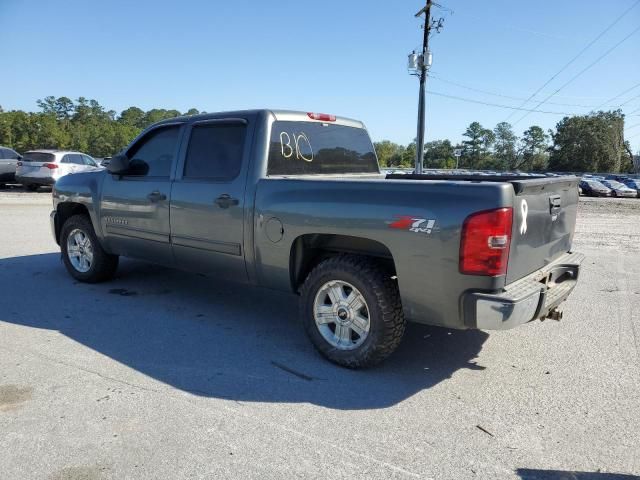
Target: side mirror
[{"x": 118, "y": 165}]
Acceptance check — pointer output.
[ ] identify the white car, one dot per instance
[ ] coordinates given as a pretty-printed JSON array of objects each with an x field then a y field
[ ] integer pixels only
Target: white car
[{"x": 44, "y": 167}]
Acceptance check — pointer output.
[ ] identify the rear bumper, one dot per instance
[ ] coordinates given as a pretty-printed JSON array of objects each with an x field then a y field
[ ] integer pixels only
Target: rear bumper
[
  {"x": 35, "y": 180},
  {"x": 527, "y": 299}
]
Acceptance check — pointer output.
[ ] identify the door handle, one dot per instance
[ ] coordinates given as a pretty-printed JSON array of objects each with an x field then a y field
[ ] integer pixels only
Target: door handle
[
  {"x": 226, "y": 200},
  {"x": 156, "y": 196}
]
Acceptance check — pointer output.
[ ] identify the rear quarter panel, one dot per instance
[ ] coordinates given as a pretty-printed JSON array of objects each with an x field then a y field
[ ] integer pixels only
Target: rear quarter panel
[{"x": 426, "y": 263}]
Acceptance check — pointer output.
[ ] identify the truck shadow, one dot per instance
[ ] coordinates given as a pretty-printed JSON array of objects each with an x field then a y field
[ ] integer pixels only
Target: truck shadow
[{"x": 216, "y": 339}]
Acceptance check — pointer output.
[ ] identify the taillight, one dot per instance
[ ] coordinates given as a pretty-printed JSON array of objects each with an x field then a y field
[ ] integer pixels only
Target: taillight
[
  {"x": 50, "y": 166},
  {"x": 484, "y": 246},
  {"x": 19, "y": 164},
  {"x": 325, "y": 117}
]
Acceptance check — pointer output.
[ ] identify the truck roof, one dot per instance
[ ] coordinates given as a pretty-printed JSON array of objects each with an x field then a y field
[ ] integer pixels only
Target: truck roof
[{"x": 281, "y": 115}]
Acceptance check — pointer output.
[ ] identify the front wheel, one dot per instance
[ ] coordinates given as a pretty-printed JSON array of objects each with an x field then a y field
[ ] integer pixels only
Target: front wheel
[
  {"x": 82, "y": 253},
  {"x": 351, "y": 311}
]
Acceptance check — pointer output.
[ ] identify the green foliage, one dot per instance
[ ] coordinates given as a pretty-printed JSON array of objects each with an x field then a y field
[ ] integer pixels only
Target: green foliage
[
  {"x": 535, "y": 144},
  {"x": 505, "y": 151},
  {"x": 592, "y": 143},
  {"x": 476, "y": 150},
  {"x": 586, "y": 143},
  {"x": 389, "y": 153},
  {"x": 82, "y": 125},
  {"x": 439, "y": 154}
]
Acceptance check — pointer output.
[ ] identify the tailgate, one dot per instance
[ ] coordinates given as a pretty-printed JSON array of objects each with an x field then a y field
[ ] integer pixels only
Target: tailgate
[{"x": 544, "y": 220}]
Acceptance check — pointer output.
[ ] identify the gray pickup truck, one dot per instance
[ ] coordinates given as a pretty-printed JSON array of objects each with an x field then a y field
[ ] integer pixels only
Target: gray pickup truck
[{"x": 296, "y": 201}]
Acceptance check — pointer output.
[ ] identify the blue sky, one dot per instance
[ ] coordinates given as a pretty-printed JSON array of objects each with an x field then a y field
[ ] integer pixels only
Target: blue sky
[{"x": 341, "y": 57}]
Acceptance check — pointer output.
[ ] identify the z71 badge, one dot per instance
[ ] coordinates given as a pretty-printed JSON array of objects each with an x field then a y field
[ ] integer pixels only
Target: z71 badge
[{"x": 416, "y": 225}]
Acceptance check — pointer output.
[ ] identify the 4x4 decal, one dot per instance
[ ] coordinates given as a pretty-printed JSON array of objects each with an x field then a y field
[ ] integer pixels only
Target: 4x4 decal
[{"x": 412, "y": 224}]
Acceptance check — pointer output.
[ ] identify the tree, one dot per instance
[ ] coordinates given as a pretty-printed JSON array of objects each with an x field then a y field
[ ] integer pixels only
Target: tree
[
  {"x": 132, "y": 116},
  {"x": 589, "y": 143},
  {"x": 505, "y": 151},
  {"x": 439, "y": 154},
  {"x": 389, "y": 153},
  {"x": 476, "y": 149},
  {"x": 535, "y": 144}
]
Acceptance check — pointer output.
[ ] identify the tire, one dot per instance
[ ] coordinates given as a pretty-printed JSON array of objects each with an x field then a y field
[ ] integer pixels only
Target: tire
[
  {"x": 32, "y": 187},
  {"x": 101, "y": 267},
  {"x": 351, "y": 276}
]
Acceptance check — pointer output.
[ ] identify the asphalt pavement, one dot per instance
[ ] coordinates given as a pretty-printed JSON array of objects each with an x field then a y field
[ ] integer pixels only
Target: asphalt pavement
[{"x": 165, "y": 374}]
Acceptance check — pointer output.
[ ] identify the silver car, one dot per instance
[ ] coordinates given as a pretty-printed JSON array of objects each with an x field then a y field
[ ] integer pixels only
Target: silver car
[
  {"x": 8, "y": 163},
  {"x": 44, "y": 167}
]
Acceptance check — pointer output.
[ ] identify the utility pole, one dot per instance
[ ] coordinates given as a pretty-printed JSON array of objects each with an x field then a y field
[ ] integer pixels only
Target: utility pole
[
  {"x": 423, "y": 80},
  {"x": 419, "y": 66}
]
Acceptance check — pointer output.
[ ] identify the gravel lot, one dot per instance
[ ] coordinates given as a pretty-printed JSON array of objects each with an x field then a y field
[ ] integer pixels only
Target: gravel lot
[{"x": 162, "y": 374}]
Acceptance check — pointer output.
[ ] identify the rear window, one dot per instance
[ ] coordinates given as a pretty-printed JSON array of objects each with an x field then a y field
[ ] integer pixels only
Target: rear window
[
  {"x": 303, "y": 148},
  {"x": 38, "y": 157}
]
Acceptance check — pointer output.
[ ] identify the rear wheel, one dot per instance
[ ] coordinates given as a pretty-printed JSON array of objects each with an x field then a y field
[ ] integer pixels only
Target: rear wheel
[
  {"x": 82, "y": 254},
  {"x": 351, "y": 311}
]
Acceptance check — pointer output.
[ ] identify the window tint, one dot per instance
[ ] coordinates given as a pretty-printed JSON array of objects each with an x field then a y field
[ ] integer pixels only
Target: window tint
[
  {"x": 320, "y": 148},
  {"x": 215, "y": 151},
  {"x": 11, "y": 154},
  {"x": 4, "y": 154},
  {"x": 156, "y": 150},
  {"x": 38, "y": 157}
]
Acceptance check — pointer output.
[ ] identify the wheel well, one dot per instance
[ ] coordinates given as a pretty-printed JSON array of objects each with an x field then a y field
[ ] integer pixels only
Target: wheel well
[
  {"x": 65, "y": 211},
  {"x": 309, "y": 250}
]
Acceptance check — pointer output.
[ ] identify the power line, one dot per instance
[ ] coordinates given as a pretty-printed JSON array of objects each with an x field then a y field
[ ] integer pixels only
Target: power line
[
  {"x": 636, "y": 110},
  {"x": 487, "y": 92},
  {"x": 583, "y": 70},
  {"x": 630, "y": 100},
  {"x": 632, "y": 126},
  {"x": 579, "y": 54},
  {"x": 619, "y": 95},
  {"x": 509, "y": 107}
]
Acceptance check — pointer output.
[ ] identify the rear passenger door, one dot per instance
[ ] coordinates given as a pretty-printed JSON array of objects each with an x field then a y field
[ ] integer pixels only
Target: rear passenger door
[
  {"x": 207, "y": 199},
  {"x": 70, "y": 163}
]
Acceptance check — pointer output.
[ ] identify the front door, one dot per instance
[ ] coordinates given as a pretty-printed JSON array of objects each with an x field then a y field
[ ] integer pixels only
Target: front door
[
  {"x": 135, "y": 207},
  {"x": 207, "y": 200}
]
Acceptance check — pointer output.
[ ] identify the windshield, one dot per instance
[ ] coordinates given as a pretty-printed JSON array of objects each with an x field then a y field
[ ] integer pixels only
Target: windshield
[
  {"x": 302, "y": 148},
  {"x": 38, "y": 157}
]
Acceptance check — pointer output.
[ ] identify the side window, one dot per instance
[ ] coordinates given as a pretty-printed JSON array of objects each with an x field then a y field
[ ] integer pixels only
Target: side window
[
  {"x": 66, "y": 159},
  {"x": 11, "y": 154},
  {"x": 4, "y": 154},
  {"x": 89, "y": 161},
  {"x": 215, "y": 151},
  {"x": 77, "y": 159},
  {"x": 156, "y": 150}
]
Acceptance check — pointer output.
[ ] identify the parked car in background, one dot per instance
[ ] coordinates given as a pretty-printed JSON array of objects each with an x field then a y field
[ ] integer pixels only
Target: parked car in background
[
  {"x": 44, "y": 167},
  {"x": 8, "y": 163},
  {"x": 593, "y": 188},
  {"x": 619, "y": 189},
  {"x": 634, "y": 184}
]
